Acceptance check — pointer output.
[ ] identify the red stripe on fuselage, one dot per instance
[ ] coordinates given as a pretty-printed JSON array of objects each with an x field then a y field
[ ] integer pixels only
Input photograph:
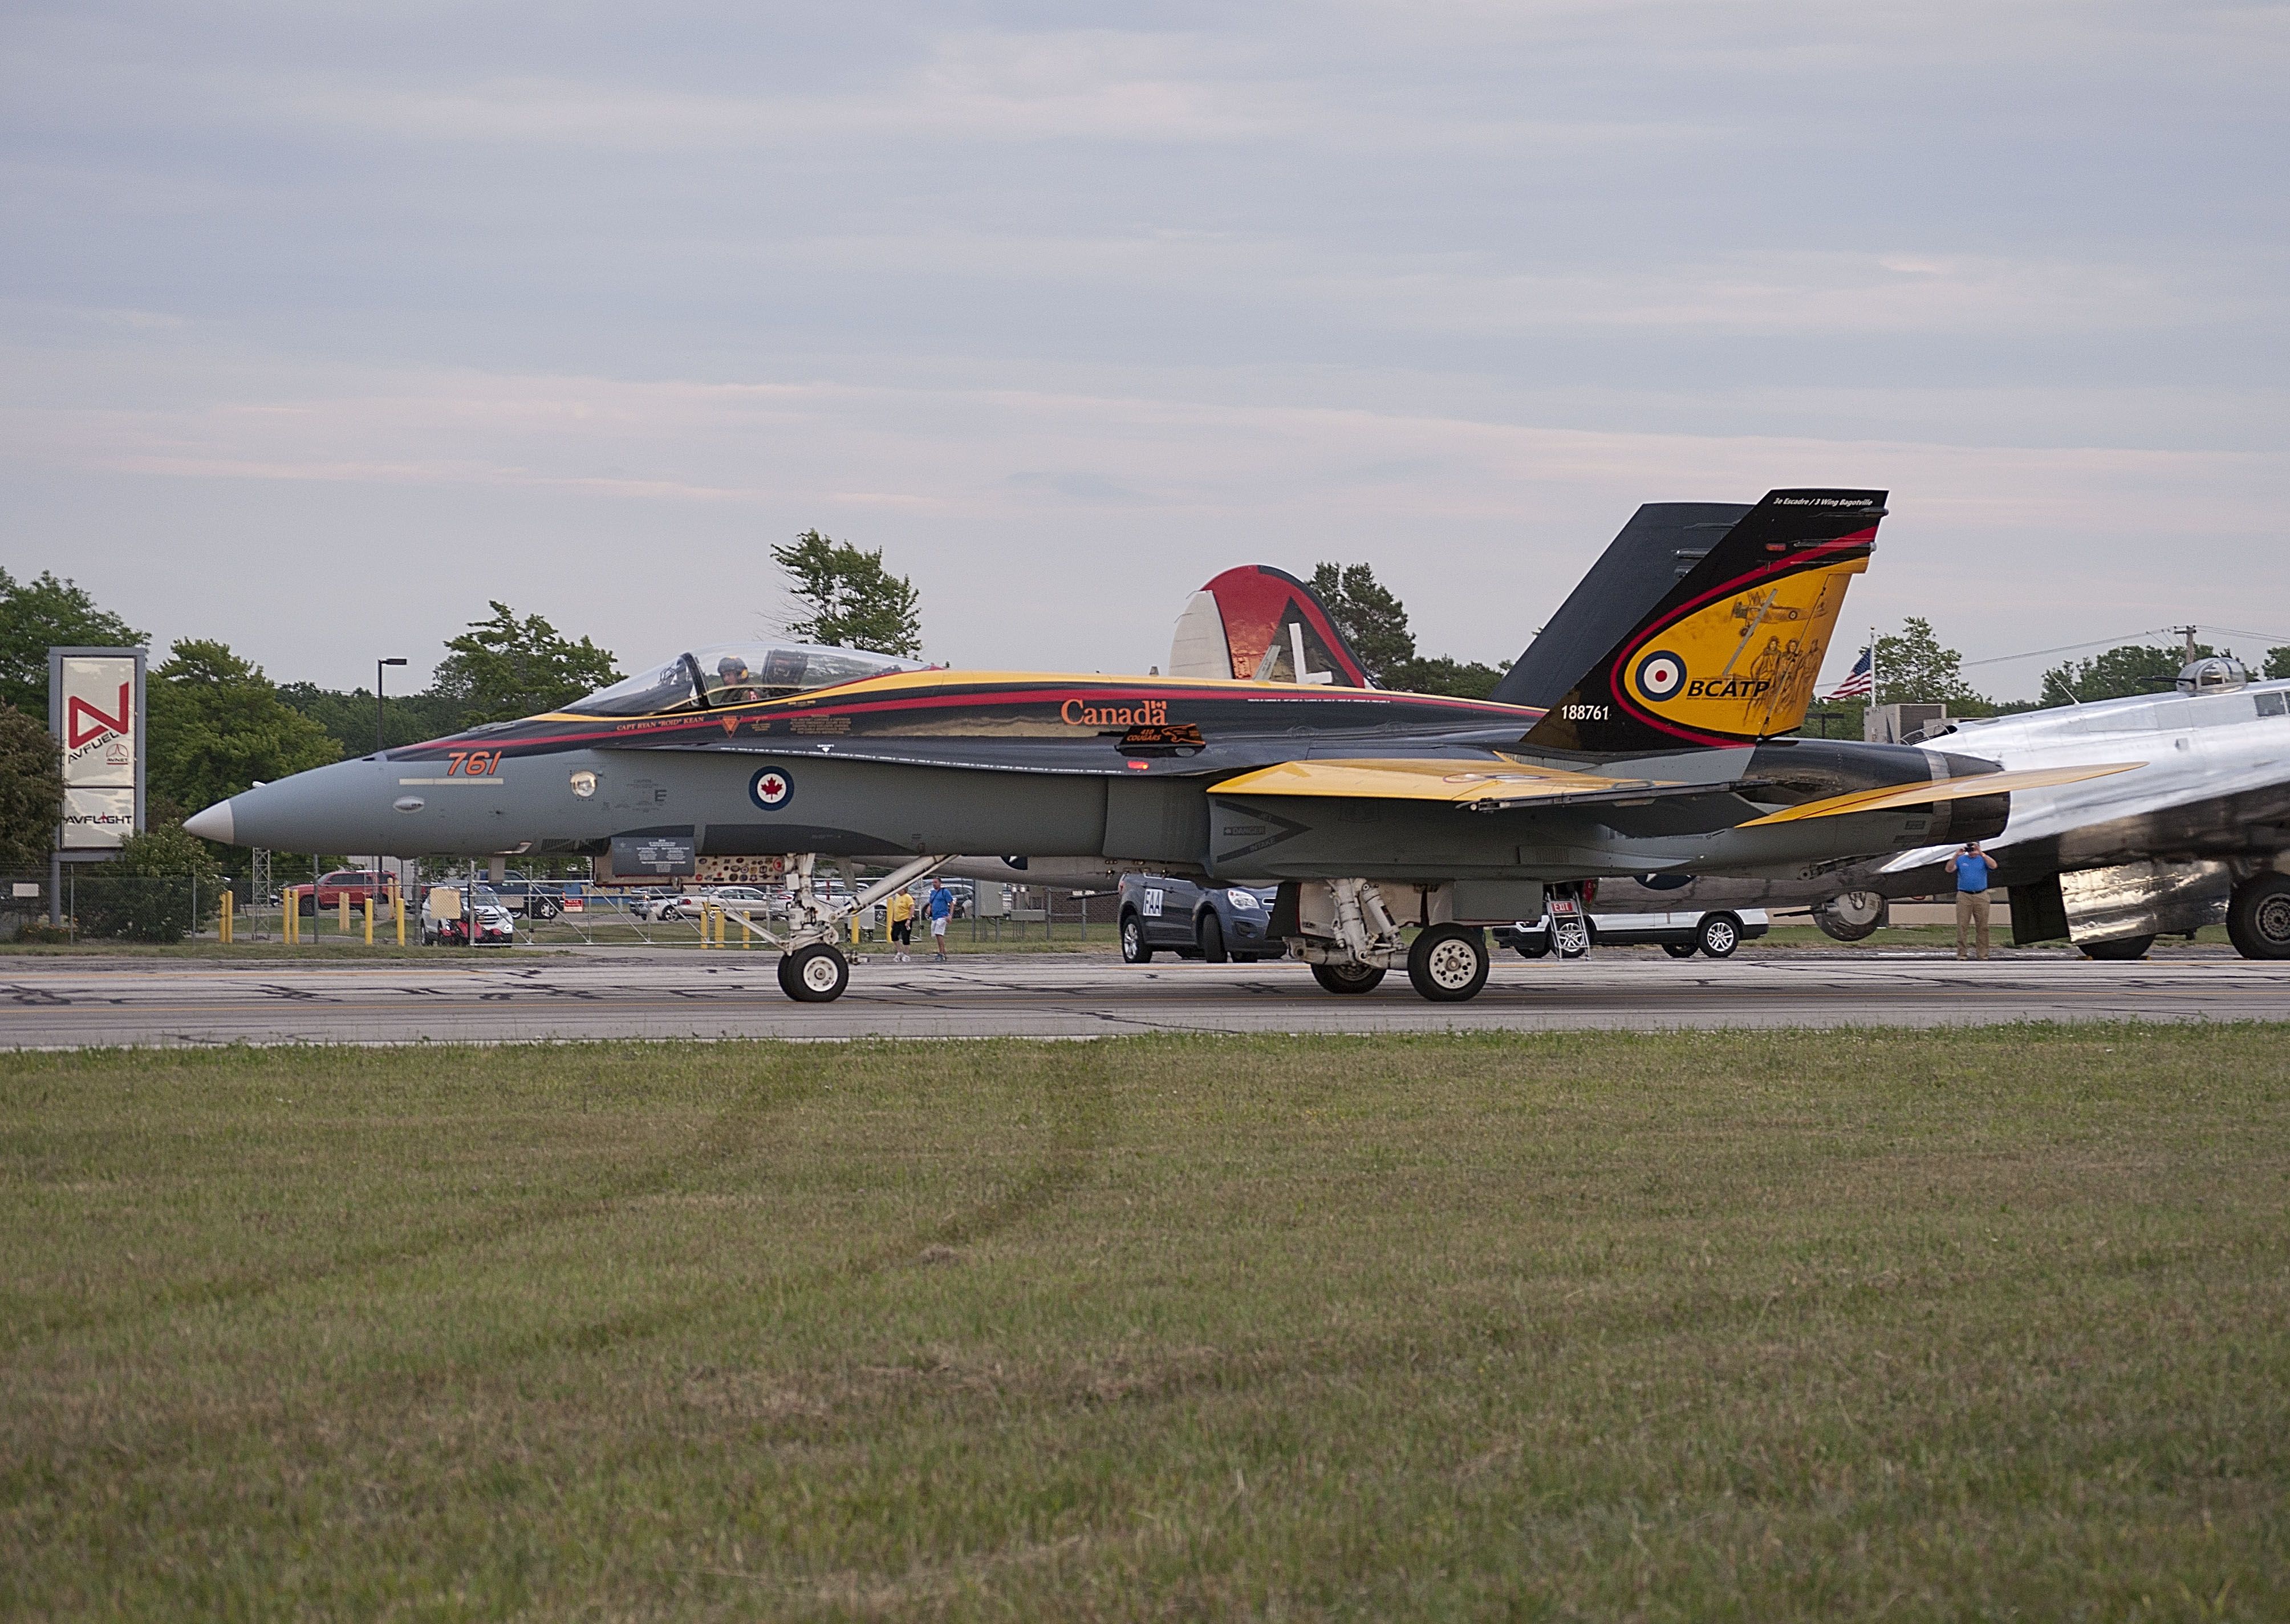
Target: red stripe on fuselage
[{"x": 637, "y": 729}]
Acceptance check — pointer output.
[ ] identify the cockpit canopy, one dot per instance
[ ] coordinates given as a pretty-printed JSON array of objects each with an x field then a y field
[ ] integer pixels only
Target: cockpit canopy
[
  {"x": 734, "y": 674},
  {"x": 2218, "y": 674}
]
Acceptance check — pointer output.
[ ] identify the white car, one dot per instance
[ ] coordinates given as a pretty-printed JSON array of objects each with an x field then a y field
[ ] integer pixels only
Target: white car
[
  {"x": 738, "y": 899},
  {"x": 447, "y": 910}
]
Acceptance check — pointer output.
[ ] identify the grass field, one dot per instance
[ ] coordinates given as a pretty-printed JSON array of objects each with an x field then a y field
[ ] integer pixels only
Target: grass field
[{"x": 1979, "y": 1324}]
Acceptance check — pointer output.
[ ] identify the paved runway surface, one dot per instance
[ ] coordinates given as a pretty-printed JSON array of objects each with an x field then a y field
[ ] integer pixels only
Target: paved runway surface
[{"x": 72, "y": 1003}]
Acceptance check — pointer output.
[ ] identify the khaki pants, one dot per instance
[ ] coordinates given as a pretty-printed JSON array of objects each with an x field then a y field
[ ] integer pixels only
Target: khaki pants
[{"x": 1971, "y": 909}]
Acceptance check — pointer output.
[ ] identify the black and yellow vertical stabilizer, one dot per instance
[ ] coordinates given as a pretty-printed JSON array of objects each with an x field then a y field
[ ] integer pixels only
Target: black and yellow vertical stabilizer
[{"x": 1729, "y": 654}]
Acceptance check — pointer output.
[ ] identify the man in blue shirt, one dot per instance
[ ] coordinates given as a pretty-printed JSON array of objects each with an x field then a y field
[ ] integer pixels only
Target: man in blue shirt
[
  {"x": 941, "y": 908},
  {"x": 1972, "y": 866}
]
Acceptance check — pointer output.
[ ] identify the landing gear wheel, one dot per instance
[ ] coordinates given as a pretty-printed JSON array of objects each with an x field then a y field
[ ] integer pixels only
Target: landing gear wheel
[
  {"x": 1855, "y": 917},
  {"x": 1448, "y": 963},
  {"x": 1211, "y": 936},
  {"x": 1720, "y": 933},
  {"x": 2123, "y": 948},
  {"x": 816, "y": 974},
  {"x": 1347, "y": 978},
  {"x": 1680, "y": 949},
  {"x": 2258, "y": 917},
  {"x": 1134, "y": 949}
]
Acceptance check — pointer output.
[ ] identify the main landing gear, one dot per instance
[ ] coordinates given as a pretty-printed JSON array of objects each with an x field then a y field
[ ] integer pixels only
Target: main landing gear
[
  {"x": 1448, "y": 963},
  {"x": 812, "y": 968},
  {"x": 2258, "y": 916},
  {"x": 1349, "y": 935}
]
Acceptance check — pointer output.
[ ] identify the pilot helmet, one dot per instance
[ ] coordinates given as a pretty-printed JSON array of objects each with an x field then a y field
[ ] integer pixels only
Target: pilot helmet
[
  {"x": 731, "y": 668},
  {"x": 2219, "y": 673}
]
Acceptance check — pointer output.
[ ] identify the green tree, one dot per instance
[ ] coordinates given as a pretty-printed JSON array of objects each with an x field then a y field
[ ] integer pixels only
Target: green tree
[
  {"x": 43, "y": 613},
  {"x": 2277, "y": 661},
  {"x": 216, "y": 726},
  {"x": 1373, "y": 620},
  {"x": 31, "y": 791},
  {"x": 1462, "y": 679},
  {"x": 2121, "y": 673},
  {"x": 503, "y": 668},
  {"x": 407, "y": 718},
  {"x": 848, "y": 599},
  {"x": 162, "y": 886},
  {"x": 1913, "y": 668}
]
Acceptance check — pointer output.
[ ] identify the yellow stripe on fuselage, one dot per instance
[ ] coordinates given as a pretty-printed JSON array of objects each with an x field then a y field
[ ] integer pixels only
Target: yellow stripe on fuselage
[{"x": 894, "y": 683}]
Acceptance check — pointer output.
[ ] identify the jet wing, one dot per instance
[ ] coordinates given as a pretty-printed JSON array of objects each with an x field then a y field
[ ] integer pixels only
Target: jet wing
[
  {"x": 1941, "y": 789},
  {"x": 1477, "y": 786}
]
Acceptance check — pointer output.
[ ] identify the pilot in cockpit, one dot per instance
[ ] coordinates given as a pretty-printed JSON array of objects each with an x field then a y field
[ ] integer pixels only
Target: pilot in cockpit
[{"x": 735, "y": 683}]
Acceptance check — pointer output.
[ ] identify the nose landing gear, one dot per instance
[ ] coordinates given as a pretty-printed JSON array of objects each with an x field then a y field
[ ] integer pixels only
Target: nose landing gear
[
  {"x": 815, "y": 974},
  {"x": 812, "y": 969}
]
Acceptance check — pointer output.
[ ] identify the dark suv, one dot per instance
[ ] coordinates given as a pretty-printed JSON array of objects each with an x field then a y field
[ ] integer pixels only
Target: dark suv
[{"x": 1216, "y": 922}]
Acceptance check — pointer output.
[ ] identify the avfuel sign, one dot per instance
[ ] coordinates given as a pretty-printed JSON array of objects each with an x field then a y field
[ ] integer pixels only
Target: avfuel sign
[{"x": 95, "y": 710}]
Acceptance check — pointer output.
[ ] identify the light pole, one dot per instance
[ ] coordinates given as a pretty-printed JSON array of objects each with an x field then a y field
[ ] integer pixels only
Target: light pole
[{"x": 377, "y": 700}]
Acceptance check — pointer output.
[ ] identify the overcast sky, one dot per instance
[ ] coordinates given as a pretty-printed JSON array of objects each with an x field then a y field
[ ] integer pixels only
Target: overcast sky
[{"x": 322, "y": 325}]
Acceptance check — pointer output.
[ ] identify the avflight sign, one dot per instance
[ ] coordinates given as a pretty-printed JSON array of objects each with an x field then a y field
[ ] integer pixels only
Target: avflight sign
[{"x": 95, "y": 708}]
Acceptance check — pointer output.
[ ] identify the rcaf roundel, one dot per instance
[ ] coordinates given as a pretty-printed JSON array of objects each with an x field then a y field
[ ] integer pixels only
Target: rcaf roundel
[
  {"x": 771, "y": 789},
  {"x": 1659, "y": 675}
]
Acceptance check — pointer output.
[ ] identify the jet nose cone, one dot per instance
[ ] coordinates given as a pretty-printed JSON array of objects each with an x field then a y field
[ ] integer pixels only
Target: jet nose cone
[{"x": 212, "y": 824}]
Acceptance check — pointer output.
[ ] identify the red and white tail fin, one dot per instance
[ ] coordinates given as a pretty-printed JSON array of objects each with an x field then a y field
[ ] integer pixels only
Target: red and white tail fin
[{"x": 1258, "y": 624}]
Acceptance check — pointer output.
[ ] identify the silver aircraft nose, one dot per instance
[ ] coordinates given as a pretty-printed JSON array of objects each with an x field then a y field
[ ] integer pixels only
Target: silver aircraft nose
[
  {"x": 214, "y": 824},
  {"x": 345, "y": 807}
]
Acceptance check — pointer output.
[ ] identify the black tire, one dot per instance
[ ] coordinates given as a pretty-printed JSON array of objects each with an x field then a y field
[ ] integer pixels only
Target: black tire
[
  {"x": 1134, "y": 948},
  {"x": 1449, "y": 962},
  {"x": 309, "y": 905},
  {"x": 2122, "y": 950},
  {"x": 1209, "y": 931},
  {"x": 1347, "y": 979},
  {"x": 1532, "y": 946},
  {"x": 2258, "y": 917},
  {"x": 544, "y": 909},
  {"x": 1855, "y": 917},
  {"x": 815, "y": 974},
  {"x": 1720, "y": 934},
  {"x": 1680, "y": 949}
]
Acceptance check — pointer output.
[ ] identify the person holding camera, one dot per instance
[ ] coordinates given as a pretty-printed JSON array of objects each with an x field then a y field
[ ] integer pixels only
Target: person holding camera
[{"x": 1972, "y": 866}]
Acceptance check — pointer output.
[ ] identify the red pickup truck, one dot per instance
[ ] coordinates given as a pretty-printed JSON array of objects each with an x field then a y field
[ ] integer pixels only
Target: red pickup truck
[{"x": 358, "y": 884}]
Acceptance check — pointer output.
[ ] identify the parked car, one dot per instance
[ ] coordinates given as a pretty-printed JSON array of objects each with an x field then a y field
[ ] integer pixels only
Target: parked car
[
  {"x": 742, "y": 899},
  {"x": 533, "y": 899},
  {"x": 447, "y": 911},
  {"x": 360, "y": 885},
  {"x": 1716, "y": 932},
  {"x": 1160, "y": 913}
]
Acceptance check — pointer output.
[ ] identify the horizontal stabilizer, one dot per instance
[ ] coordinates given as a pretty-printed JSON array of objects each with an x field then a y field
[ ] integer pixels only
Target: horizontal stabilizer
[
  {"x": 1941, "y": 789},
  {"x": 1482, "y": 786}
]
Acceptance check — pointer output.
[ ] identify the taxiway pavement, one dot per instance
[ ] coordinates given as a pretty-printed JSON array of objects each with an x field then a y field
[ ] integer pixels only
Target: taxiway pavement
[{"x": 83, "y": 1001}]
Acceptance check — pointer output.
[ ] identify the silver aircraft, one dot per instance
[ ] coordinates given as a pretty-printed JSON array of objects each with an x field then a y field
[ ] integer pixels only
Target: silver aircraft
[
  {"x": 2198, "y": 835},
  {"x": 1664, "y": 747}
]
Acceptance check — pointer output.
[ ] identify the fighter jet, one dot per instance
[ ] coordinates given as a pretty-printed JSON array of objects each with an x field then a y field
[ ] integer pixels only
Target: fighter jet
[{"x": 1372, "y": 811}]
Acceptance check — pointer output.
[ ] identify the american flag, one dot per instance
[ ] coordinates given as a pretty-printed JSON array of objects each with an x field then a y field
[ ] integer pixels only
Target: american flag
[{"x": 1861, "y": 681}]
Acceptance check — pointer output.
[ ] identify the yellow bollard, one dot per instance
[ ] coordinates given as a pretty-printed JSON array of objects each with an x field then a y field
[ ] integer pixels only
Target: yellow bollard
[
  {"x": 397, "y": 909},
  {"x": 289, "y": 916},
  {"x": 342, "y": 912},
  {"x": 366, "y": 908},
  {"x": 222, "y": 931},
  {"x": 706, "y": 924}
]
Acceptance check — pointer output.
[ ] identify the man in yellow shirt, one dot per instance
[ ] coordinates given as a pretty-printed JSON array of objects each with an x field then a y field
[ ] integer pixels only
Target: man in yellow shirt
[{"x": 899, "y": 911}]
